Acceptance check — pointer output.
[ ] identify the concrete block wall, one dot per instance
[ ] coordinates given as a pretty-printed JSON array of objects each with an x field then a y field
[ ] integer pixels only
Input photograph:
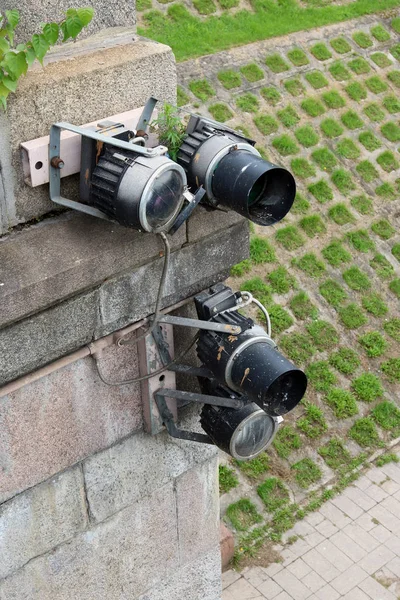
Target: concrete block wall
[{"x": 90, "y": 506}]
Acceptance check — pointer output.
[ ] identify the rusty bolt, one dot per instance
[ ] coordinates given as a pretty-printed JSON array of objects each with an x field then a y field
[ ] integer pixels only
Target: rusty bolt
[{"x": 57, "y": 162}]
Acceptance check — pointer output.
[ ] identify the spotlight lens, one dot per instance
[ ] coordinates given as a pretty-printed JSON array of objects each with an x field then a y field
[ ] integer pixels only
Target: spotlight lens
[
  {"x": 252, "y": 436},
  {"x": 164, "y": 199}
]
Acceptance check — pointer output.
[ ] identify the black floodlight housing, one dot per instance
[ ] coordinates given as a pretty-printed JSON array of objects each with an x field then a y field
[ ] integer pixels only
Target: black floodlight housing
[{"x": 233, "y": 173}]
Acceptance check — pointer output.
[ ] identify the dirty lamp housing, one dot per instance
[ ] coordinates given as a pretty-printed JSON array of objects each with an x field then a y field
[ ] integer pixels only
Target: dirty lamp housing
[{"x": 233, "y": 173}]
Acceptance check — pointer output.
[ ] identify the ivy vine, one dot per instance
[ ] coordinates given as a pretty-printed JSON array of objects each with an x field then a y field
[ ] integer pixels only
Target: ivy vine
[{"x": 15, "y": 60}]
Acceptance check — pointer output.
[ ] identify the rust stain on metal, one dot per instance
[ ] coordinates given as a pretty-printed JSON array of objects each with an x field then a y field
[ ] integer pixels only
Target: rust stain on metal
[
  {"x": 87, "y": 175},
  {"x": 197, "y": 157},
  {"x": 99, "y": 146},
  {"x": 57, "y": 162},
  {"x": 220, "y": 351},
  {"x": 232, "y": 338},
  {"x": 246, "y": 372}
]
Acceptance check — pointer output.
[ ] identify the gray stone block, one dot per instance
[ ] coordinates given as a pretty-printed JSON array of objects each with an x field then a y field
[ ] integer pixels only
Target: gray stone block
[
  {"x": 137, "y": 467},
  {"x": 34, "y": 522},
  {"x": 111, "y": 72},
  {"x": 120, "y": 558},
  {"x": 199, "y": 580},
  {"x": 194, "y": 268},
  {"x": 107, "y": 14},
  {"x": 41, "y": 339},
  {"x": 206, "y": 221}
]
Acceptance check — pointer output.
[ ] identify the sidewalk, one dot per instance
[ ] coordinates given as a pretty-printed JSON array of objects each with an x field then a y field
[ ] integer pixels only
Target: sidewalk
[{"x": 349, "y": 549}]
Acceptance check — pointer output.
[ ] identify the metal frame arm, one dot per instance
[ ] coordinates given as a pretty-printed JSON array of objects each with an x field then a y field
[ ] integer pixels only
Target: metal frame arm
[{"x": 172, "y": 429}]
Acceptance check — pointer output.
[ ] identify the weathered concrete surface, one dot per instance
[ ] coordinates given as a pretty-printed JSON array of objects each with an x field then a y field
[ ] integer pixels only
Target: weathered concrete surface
[
  {"x": 111, "y": 72},
  {"x": 43, "y": 517},
  {"x": 120, "y": 558},
  {"x": 108, "y": 13},
  {"x": 65, "y": 417},
  {"x": 205, "y": 221}
]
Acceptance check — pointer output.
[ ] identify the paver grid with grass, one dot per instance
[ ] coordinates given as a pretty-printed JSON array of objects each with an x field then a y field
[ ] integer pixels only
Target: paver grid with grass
[{"x": 329, "y": 272}]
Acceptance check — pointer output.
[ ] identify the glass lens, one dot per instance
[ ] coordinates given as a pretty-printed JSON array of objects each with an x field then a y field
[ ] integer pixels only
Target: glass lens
[
  {"x": 164, "y": 198},
  {"x": 252, "y": 436}
]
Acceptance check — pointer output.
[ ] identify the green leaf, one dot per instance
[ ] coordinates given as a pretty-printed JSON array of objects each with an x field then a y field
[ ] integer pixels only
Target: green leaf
[
  {"x": 71, "y": 12},
  {"x": 4, "y": 45},
  {"x": 30, "y": 55},
  {"x": 12, "y": 17},
  {"x": 64, "y": 30},
  {"x": 16, "y": 64},
  {"x": 40, "y": 46},
  {"x": 21, "y": 47},
  {"x": 10, "y": 84},
  {"x": 85, "y": 15},
  {"x": 74, "y": 26},
  {"x": 3, "y": 102},
  {"x": 51, "y": 32}
]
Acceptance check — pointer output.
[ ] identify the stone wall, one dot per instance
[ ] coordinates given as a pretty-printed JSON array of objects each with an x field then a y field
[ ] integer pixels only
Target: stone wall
[{"x": 90, "y": 506}]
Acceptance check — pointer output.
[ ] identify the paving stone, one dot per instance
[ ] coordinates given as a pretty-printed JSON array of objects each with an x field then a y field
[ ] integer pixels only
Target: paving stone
[
  {"x": 390, "y": 487},
  {"x": 336, "y": 516},
  {"x": 380, "y": 533},
  {"x": 273, "y": 569},
  {"x": 255, "y": 576},
  {"x": 359, "y": 498},
  {"x": 300, "y": 547},
  {"x": 361, "y": 537},
  {"x": 283, "y": 596},
  {"x": 365, "y": 521},
  {"x": 229, "y": 577},
  {"x": 334, "y": 555},
  {"x": 385, "y": 518},
  {"x": 313, "y": 581},
  {"x": 299, "y": 568},
  {"x": 322, "y": 566},
  {"x": 314, "y": 518},
  {"x": 348, "y": 506},
  {"x": 349, "y": 579},
  {"x": 326, "y": 528},
  {"x": 393, "y": 471},
  {"x": 375, "y": 590},
  {"x": 363, "y": 482},
  {"x": 303, "y": 528},
  {"x": 288, "y": 557},
  {"x": 394, "y": 565},
  {"x": 315, "y": 538},
  {"x": 392, "y": 505},
  {"x": 376, "y": 559},
  {"x": 242, "y": 590},
  {"x": 376, "y": 492},
  {"x": 375, "y": 475},
  {"x": 327, "y": 593},
  {"x": 348, "y": 546},
  {"x": 393, "y": 543},
  {"x": 292, "y": 585},
  {"x": 269, "y": 589},
  {"x": 356, "y": 594}
]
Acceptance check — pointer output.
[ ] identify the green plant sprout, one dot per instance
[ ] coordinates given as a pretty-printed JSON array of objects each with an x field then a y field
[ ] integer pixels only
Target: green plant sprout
[
  {"x": 170, "y": 129},
  {"x": 15, "y": 59}
]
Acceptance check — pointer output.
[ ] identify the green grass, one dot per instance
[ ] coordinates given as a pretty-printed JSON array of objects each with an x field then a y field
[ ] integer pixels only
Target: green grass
[
  {"x": 367, "y": 171},
  {"x": 352, "y": 317},
  {"x": 342, "y": 403},
  {"x": 273, "y": 493},
  {"x": 356, "y": 279},
  {"x": 190, "y": 36},
  {"x": 392, "y": 104},
  {"x": 226, "y": 4},
  {"x": 243, "y": 514},
  {"x": 394, "y": 77},
  {"x": 298, "y": 57},
  {"x": 391, "y": 131},
  {"x": 288, "y": 116},
  {"x": 258, "y": 288},
  {"x": 266, "y": 124},
  {"x": 300, "y": 205},
  {"x": 340, "y": 45},
  {"x": 261, "y": 251},
  {"x": 306, "y": 136},
  {"x": 392, "y": 328},
  {"x": 227, "y": 479},
  {"x": 384, "y": 459},
  {"x": 321, "y": 51},
  {"x": 360, "y": 240},
  {"x": 287, "y": 439},
  {"x": 380, "y": 33},
  {"x": 364, "y": 432},
  {"x": 374, "y": 112},
  {"x": 281, "y": 281},
  {"x": 270, "y": 95},
  {"x": 252, "y": 72},
  {"x": 229, "y": 79},
  {"x": 181, "y": 97},
  {"x": 142, "y": 5},
  {"x": 333, "y": 292},
  {"x": 306, "y": 472},
  {"x": 367, "y": 387},
  {"x": 311, "y": 265},
  {"x": 387, "y": 415},
  {"x": 384, "y": 269},
  {"x": 383, "y": 228},
  {"x": 290, "y": 237},
  {"x": 220, "y": 112},
  {"x": 316, "y": 79},
  {"x": 276, "y": 63},
  {"x": 324, "y": 159},
  {"x": 381, "y": 60},
  {"x": 396, "y": 24},
  {"x": 247, "y": 102},
  {"x": 374, "y": 304},
  {"x": 253, "y": 469},
  {"x": 336, "y": 254},
  {"x": 394, "y": 286},
  {"x": 335, "y": 454},
  {"x": 356, "y": 91},
  {"x": 345, "y": 360},
  {"x": 362, "y": 39},
  {"x": 391, "y": 368},
  {"x": 241, "y": 268},
  {"x": 343, "y": 181},
  {"x": 280, "y": 318},
  {"x": 294, "y": 87},
  {"x": 359, "y": 66},
  {"x": 298, "y": 347},
  {"x": 205, "y": 7},
  {"x": 369, "y": 141},
  {"x": 386, "y": 191},
  {"x": 322, "y": 379},
  {"x": 285, "y": 145},
  {"x": 351, "y": 120},
  {"x": 323, "y": 334},
  {"x": 333, "y": 99},
  {"x": 362, "y": 204},
  {"x": 313, "y": 225},
  {"x": 387, "y": 161},
  {"x": 302, "y": 307},
  {"x": 348, "y": 149},
  {"x": 301, "y": 168},
  {"x": 331, "y": 128},
  {"x": 321, "y": 191},
  {"x": 395, "y": 51},
  {"x": 376, "y": 85},
  {"x": 313, "y": 107},
  {"x": 373, "y": 343},
  {"x": 339, "y": 71},
  {"x": 396, "y": 251},
  {"x": 202, "y": 89}
]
